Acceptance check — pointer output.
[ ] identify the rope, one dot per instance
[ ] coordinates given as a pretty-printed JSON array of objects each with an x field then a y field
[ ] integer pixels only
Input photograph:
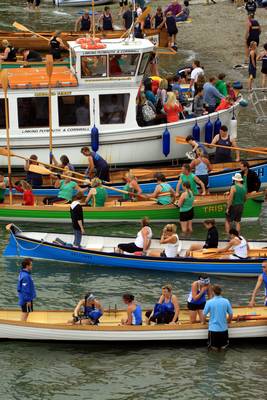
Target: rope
[{"x": 19, "y": 246}]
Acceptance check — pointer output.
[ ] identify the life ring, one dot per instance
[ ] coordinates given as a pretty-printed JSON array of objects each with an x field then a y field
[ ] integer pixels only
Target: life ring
[
  {"x": 87, "y": 40},
  {"x": 93, "y": 46}
]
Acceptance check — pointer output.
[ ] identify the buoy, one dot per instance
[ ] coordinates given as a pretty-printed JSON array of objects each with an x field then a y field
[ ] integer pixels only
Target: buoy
[
  {"x": 94, "y": 138},
  {"x": 196, "y": 132},
  {"x": 217, "y": 126},
  {"x": 243, "y": 103},
  {"x": 166, "y": 142},
  {"x": 233, "y": 127},
  {"x": 208, "y": 131}
]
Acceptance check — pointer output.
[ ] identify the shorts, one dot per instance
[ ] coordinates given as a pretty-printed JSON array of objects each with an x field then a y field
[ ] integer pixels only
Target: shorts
[
  {"x": 187, "y": 215},
  {"x": 129, "y": 247},
  {"x": 123, "y": 3},
  {"x": 252, "y": 71},
  {"x": 195, "y": 307},
  {"x": 2, "y": 201},
  {"x": 30, "y": 1},
  {"x": 218, "y": 339},
  {"x": 165, "y": 318},
  {"x": 264, "y": 71},
  {"x": 235, "y": 213},
  {"x": 204, "y": 179},
  {"x": 27, "y": 309},
  {"x": 172, "y": 32}
]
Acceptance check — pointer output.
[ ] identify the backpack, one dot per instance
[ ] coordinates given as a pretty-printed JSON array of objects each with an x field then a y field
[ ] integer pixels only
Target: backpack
[{"x": 148, "y": 112}]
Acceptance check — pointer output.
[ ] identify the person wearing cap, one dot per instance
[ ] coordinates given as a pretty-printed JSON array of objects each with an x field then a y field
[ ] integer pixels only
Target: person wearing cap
[
  {"x": 223, "y": 155},
  {"x": 262, "y": 279},
  {"x": 97, "y": 166},
  {"x": 238, "y": 244},
  {"x": 91, "y": 308},
  {"x": 83, "y": 23},
  {"x": 97, "y": 195},
  {"x": 211, "y": 240},
  {"x": 200, "y": 290},
  {"x": 235, "y": 203},
  {"x": 56, "y": 45},
  {"x": 220, "y": 314}
]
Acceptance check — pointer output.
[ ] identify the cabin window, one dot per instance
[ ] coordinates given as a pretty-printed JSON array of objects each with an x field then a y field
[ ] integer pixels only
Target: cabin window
[
  {"x": 113, "y": 108},
  {"x": 73, "y": 110},
  {"x": 93, "y": 66},
  {"x": 2, "y": 114},
  {"x": 33, "y": 112},
  {"x": 123, "y": 64},
  {"x": 144, "y": 63}
]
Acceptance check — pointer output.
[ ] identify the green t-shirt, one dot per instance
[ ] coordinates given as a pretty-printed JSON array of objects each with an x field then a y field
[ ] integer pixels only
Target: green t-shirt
[
  {"x": 239, "y": 195},
  {"x": 221, "y": 87},
  {"x": 99, "y": 198},
  {"x": 191, "y": 179},
  {"x": 2, "y": 190},
  {"x": 188, "y": 202},
  {"x": 66, "y": 190},
  {"x": 128, "y": 188}
]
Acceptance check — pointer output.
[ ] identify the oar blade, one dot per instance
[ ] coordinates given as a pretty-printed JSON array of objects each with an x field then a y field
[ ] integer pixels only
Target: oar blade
[
  {"x": 4, "y": 152},
  {"x": 49, "y": 65},
  {"x": 39, "y": 169},
  {"x": 4, "y": 80},
  {"x": 20, "y": 27},
  {"x": 180, "y": 139}
]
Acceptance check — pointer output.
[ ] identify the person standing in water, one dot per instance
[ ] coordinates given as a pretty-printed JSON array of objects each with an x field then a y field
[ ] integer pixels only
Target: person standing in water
[
  {"x": 83, "y": 23},
  {"x": 263, "y": 57},
  {"x": 196, "y": 301},
  {"x": 262, "y": 279},
  {"x": 26, "y": 289},
  {"x": 253, "y": 31},
  {"x": 252, "y": 65},
  {"x": 106, "y": 20},
  {"x": 235, "y": 203}
]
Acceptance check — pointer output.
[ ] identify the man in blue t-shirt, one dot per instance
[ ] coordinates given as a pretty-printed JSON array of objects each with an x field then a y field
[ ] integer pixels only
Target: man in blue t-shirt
[
  {"x": 25, "y": 288},
  {"x": 220, "y": 314}
]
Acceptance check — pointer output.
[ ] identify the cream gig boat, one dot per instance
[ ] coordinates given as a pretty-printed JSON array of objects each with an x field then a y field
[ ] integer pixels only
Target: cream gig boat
[{"x": 99, "y": 89}]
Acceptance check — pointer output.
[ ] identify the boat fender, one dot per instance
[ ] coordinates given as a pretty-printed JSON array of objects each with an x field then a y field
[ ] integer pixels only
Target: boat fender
[
  {"x": 166, "y": 142},
  {"x": 196, "y": 132},
  {"x": 243, "y": 103},
  {"x": 94, "y": 138},
  {"x": 233, "y": 128},
  {"x": 208, "y": 131},
  {"x": 217, "y": 126}
]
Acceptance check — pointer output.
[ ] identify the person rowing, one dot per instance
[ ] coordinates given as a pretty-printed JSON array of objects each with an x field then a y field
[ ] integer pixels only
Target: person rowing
[
  {"x": 170, "y": 240},
  {"x": 142, "y": 241},
  {"x": 83, "y": 23},
  {"x": 200, "y": 290},
  {"x": 166, "y": 311},
  {"x": 202, "y": 167},
  {"x": 211, "y": 240},
  {"x": 131, "y": 187},
  {"x": 97, "y": 195},
  {"x": 262, "y": 279},
  {"x": 33, "y": 178},
  {"x": 163, "y": 192},
  {"x": 238, "y": 244},
  {"x": 30, "y": 55},
  {"x": 92, "y": 311},
  {"x": 134, "y": 311},
  {"x": 56, "y": 45},
  {"x": 9, "y": 53},
  {"x": 64, "y": 163},
  {"x": 188, "y": 176},
  {"x": 66, "y": 187}
]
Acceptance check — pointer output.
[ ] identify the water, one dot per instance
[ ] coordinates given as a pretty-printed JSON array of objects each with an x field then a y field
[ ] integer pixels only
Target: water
[{"x": 58, "y": 371}]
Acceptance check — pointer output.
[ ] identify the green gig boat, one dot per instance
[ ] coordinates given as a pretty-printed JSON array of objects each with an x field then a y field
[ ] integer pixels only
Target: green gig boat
[{"x": 213, "y": 206}]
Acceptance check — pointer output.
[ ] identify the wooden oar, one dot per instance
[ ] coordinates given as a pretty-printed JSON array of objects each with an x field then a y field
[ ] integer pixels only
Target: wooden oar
[
  {"x": 4, "y": 81},
  {"x": 23, "y": 28},
  {"x": 181, "y": 140},
  {"x": 49, "y": 71}
]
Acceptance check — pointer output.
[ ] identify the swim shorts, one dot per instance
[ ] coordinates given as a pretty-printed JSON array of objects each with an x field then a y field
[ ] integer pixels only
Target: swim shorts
[
  {"x": 218, "y": 339},
  {"x": 27, "y": 308}
]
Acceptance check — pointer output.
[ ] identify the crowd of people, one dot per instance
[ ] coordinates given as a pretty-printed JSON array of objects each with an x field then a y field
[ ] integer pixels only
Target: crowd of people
[{"x": 203, "y": 301}]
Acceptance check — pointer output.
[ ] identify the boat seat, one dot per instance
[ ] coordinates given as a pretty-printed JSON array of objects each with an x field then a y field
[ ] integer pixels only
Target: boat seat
[{"x": 96, "y": 244}]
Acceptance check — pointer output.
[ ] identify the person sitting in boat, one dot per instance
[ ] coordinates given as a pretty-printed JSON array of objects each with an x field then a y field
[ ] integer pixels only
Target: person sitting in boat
[
  {"x": 106, "y": 20},
  {"x": 211, "y": 240},
  {"x": 142, "y": 241},
  {"x": 188, "y": 176},
  {"x": 134, "y": 311},
  {"x": 25, "y": 188},
  {"x": 163, "y": 192},
  {"x": 223, "y": 155},
  {"x": 196, "y": 145},
  {"x": 170, "y": 240},
  {"x": 200, "y": 290},
  {"x": 83, "y": 23},
  {"x": 97, "y": 195},
  {"x": 66, "y": 187},
  {"x": 4, "y": 182},
  {"x": 30, "y": 55},
  {"x": 235, "y": 203},
  {"x": 225, "y": 103},
  {"x": 202, "y": 167},
  {"x": 145, "y": 112},
  {"x": 33, "y": 178},
  {"x": 64, "y": 163},
  {"x": 56, "y": 45},
  {"x": 185, "y": 203},
  {"x": 92, "y": 311},
  {"x": 238, "y": 244},
  {"x": 166, "y": 311},
  {"x": 131, "y": 187},
  {"x": 9, "y": 53},
  {"x": 97, "y": 166},
  {"x": 262, "y": 279},
  {"x": 251, "y": 180}
]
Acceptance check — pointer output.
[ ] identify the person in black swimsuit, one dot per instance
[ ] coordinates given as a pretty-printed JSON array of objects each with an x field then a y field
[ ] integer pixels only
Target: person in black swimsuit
[
  {"x": 253, "y": 32},
  {"x": 30, "y": 55},
  {"x": 263, "y": 57},
  {"x": 56, "y": 44},
  {"x": 83, "y": 23},
  {"x": 252, "y": 65},
  {"x": 9, "y": 53},
  {"x": 157, "y": 21},
  {"x": 106, "y": 20},
  {"x": 223, "y": 155},
  {"x": 171, "y": 27}
]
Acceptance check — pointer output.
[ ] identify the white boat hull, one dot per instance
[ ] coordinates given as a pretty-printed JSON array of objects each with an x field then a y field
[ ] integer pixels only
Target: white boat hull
[{"x": 80, "y": 3}]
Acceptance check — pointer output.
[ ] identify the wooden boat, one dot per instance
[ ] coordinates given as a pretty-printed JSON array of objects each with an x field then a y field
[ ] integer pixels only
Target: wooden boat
[
  {"x": 213, "y": 206},
  {"x": 81, "y": 3},
  {"x": 220, "y": 179},
  {"x": 92, "y": 84},
  {"x": 28, "y": 40},
  {"x": 24, "y": 64},
  {"x": 98, "y": 250},
  {"x": 51, "y": 325}
]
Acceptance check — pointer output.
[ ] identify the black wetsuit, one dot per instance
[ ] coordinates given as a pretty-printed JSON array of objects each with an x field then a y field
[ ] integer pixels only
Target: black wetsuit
[
  {"x": 85, "y": 24},
  {"x": 107, "y": 22},
  {"x": 55, "y": 48},
  {"x": 11, "y": 54}
]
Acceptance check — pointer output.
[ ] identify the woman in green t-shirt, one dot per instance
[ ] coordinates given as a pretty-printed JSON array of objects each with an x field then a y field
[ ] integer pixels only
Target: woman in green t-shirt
[
  {"x": 66, "y": 188},
  {"x": 185, "y": 203},
  {"x": 97, "y": 195},
  {"x": 192, "y": 179}
]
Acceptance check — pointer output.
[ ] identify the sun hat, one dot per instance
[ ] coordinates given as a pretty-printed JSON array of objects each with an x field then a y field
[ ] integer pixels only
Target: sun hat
[{"x": 237, "y": 177}]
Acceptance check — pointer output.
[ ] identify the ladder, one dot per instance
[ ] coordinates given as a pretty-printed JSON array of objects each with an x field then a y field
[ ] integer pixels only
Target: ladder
[{"x": 258, "y": 98}]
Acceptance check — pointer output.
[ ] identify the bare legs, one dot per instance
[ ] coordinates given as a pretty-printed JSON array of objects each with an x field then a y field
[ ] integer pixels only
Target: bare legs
[{"x": 186, "y": 226}]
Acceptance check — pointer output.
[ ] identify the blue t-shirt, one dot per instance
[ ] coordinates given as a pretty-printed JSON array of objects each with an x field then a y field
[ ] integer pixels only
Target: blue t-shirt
[{"x": 218, "y": 307}]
